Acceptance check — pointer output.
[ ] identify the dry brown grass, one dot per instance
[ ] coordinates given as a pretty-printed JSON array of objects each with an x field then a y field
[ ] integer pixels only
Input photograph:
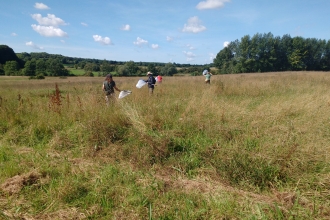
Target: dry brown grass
[{"x": 173, "y": 145}]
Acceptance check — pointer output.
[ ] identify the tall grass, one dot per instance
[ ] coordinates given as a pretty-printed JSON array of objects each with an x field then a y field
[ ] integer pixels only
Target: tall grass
[{"x": 248, "y": 146}]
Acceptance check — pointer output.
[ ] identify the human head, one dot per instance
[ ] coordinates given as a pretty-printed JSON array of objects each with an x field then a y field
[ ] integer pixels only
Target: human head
[
  {"x": 108, "y": 77},
  {"x": 149, "y": 73}
]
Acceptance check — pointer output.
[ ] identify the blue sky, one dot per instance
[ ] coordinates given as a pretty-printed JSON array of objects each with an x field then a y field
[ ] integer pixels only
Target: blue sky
[{"x": 180, "y": 31}]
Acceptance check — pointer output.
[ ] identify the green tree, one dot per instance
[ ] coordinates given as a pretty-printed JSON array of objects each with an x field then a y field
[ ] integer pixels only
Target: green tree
[
  {"x": 82, "y": 64},
  {"x": 56, "y": 68},
  {"x": 223, "y": 59},
  {"x": 11, "y": 68},
  {"x": 168, "y": 70},
  {"x": 41, "y": 67},
  {"x": 96, "y": 67},
  {"x": 24, "y": 56},
  {"x": 123, "y": 70},
  {"x": 152, "y": 68},
  {"x": 243, "y": 56},
  {"x": 325, "y": 59},
  {"x": 284, "y": 50},
  {"x": 107, "y": 68},
  {"x": 297, "y": 56},
  {"x": 88, "y": 67},
  {"x": 2, "y": 71},
  {"x": 315, "y": 51},
  {"x": 264, "y": 53},
  {"x": 29, "y": 68},
  {"x": 131, "y": 68}
]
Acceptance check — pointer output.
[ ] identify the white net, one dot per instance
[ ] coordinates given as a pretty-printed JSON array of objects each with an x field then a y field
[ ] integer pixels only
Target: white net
[
  {"x": 140, "y": 83},
  {"x": 124, "y": 93}
]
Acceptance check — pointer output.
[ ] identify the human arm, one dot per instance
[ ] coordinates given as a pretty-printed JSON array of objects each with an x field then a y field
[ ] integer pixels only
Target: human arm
[{"x": 117, "y": 89}]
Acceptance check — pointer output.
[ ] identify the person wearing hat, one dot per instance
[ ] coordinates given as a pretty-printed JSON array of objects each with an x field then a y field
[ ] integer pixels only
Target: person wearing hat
[
  {"x": 109, "y": 87},
  {"x": 151, "y": 82}
]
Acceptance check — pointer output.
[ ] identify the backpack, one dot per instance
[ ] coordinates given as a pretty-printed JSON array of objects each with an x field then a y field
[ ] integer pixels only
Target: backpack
[{"x": 109, "y": 87}]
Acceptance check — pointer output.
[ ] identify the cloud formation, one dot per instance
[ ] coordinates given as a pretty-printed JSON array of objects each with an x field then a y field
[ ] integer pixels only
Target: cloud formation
[
  {"x": 101, "y": 40},
  {"x": 211, "y": 4},
  {"x": 189, "y": 55},
  {"x": 125, "y": 27},
  {"x": 190, "y": 47},
  {"x": 13, "y": 34},
  {"x": 140, "y": 42},
  {"x": 48, "y": 26},
  {"x": 84, "y": 24},
  {"x": 31, "y": 44},
  {"x": 50, "y": 20},
  {"x": 154, "y": 46},
  {"x": 226, "y": 43},
  {"x": 49, "y": 31},
  {"x": 194, "y": 25},
  {"x": 169, "y": 38},
  {"x": 41, "y": 6}
]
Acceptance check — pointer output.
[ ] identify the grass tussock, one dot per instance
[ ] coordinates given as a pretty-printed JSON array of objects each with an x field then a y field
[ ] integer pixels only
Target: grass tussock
[{"x": 248, "y": 146}]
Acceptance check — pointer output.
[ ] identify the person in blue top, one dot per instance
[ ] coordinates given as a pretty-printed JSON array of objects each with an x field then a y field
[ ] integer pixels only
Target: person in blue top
[
  {"x": 151, "y": 82},
  {"x": 109, "y": 87}
]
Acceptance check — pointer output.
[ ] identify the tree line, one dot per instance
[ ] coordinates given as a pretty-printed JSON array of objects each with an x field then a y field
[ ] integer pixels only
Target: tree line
[
  {"x": 44, "y": 64},
  {"x": 266, "y": 53}
]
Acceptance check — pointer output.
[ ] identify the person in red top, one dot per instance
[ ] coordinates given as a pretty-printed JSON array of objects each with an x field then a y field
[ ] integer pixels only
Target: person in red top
[{"x": 159, "y": 79}]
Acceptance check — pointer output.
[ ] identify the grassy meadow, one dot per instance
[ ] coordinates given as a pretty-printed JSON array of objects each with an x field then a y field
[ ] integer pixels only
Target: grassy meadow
[{"x": 248, "y": 146}]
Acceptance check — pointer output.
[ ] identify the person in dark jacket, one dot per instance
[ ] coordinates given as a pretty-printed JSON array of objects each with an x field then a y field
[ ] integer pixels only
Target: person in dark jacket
[
  {"x": 109, "y": 87},
  {"x": 151, "y": 82}
]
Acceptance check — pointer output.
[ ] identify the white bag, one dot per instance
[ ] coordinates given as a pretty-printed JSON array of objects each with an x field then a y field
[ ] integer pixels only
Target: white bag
[
  {"x": 124, "y": 93},
  {"x": 140, "y": 83}
]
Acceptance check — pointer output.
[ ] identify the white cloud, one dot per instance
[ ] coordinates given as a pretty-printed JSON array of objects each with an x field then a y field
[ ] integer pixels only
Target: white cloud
[
  {"x": 31, "y": 44},
  {"x": 190, "y": 47},
  {"x": 189, "y": 55},
  {"x": 126, "y": 27},
  {"x": 154, "y": 46},
  {"x": 211, "y": 4},
  {"x": 140, "y": 42},
  {"x": 226, "y": 43},
  {"x": 169, "y": 38},
  {"x": 194, "y": 25},
  {"x": 50, "y": 20},
  {"x": 101, "y": 40},
  {"x": 62, "y": 41},
  {"x": 41, "y": 6},
  {"x": 84, "y": 24},
  {"x": 49, "y": 31},
  {"x": 13, "y": 34}
]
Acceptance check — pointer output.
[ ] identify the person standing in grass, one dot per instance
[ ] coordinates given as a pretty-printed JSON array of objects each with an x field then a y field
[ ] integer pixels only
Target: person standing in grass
[
  {"x": 109, "y": 87},
  {"x": 151, "y": 82},
  {"x": 208, "y": 77},
  {"x": 159, "y": 79}
]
